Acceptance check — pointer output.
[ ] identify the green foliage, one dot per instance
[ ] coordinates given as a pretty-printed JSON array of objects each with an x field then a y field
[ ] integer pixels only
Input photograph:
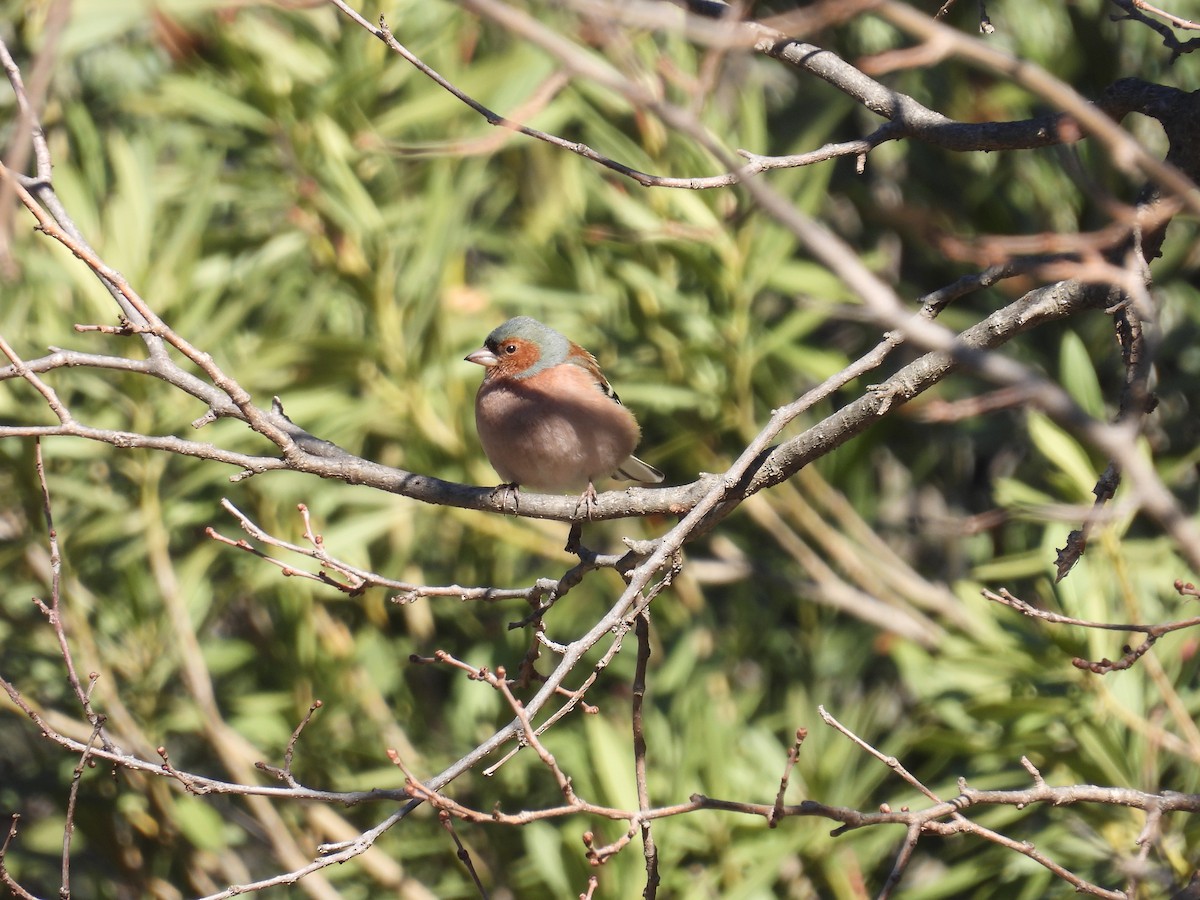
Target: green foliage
[{"x": 338, "y": 231}]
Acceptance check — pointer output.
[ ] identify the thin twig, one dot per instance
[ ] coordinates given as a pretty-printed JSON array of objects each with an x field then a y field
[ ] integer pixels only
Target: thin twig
[
  {"x": 5, "y": 875},
  {"x": 1104, "y": 666},
  {"x": 792, "y": 758},
  {"x": 649, "y": 851},
  {"x": 72, "y": 799}
]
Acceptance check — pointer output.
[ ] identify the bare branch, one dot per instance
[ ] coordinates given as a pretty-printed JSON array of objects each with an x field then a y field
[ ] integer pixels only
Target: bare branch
[
  {"x": 5, "y": 875},
  {"x": 649, "y": 850},
  {"x": 1135, "y": 10},
  {"x": 1104, "y": 666}
]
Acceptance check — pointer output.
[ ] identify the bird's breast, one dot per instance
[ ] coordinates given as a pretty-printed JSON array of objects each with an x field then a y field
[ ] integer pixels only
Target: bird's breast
[{"x": 556, "y": 433}]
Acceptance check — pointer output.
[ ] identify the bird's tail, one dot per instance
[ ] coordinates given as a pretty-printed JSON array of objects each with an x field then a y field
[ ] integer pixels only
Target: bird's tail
[{"x": 633, "y": 469}]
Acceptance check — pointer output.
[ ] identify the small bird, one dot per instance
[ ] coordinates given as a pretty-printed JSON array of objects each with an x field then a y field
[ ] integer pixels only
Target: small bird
[{"x": 547, "y": 417}]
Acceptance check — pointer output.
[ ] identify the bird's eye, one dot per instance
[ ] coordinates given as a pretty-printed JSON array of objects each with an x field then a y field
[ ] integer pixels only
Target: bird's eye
[{"x": 510, "y": 348}]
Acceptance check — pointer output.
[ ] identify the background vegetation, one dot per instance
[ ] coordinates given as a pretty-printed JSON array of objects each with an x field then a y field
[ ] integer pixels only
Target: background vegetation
[{"x": 337, "y": 230}]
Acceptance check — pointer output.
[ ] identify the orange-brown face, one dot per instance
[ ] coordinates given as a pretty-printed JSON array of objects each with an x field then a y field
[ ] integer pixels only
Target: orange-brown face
[{"x": 514, "y": 357}]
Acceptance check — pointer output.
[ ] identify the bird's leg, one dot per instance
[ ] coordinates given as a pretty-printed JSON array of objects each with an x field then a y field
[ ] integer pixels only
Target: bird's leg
[{"x": 506, "y": 490}]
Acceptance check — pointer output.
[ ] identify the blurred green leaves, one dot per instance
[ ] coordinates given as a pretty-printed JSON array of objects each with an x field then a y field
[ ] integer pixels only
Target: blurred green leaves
[{"x": 338, "y": 231}]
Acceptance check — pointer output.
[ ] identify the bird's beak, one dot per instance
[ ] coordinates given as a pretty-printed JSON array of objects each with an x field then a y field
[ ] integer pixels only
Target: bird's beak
[{"x": 482, "y": 357}]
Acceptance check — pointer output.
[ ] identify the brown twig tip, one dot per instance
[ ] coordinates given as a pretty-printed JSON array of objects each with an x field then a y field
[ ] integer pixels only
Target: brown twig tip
[
  {"x": 776, "y": 814},
  {"x": 125, "y": 329},
  {"x": 1186, "y": 588},
  {"x": 1033, "y": 771},
  {"x": 1131, "y": 656}
]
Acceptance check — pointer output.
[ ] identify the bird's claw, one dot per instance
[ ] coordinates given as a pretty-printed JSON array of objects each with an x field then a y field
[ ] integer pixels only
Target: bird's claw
[
  {"x": 588, "y": 501},
  {"x": 506, "y": 490}
]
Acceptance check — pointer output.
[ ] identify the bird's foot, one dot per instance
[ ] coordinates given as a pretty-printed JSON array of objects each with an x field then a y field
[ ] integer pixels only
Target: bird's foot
[
  {"x": 588, "y": 501},
  {"x": 506, "y": 490}
]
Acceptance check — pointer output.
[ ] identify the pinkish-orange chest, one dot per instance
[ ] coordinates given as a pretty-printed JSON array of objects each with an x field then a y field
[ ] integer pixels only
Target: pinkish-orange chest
[{"x": 555, "y": 431}]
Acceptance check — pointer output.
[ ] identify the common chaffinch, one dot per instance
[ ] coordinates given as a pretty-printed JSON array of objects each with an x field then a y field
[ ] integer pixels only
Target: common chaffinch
[{"x": 547, "y": 417}]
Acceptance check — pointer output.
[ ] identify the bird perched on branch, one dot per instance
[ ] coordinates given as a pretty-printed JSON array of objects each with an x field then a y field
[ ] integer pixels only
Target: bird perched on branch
[{"x": 547, "y": 417}]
